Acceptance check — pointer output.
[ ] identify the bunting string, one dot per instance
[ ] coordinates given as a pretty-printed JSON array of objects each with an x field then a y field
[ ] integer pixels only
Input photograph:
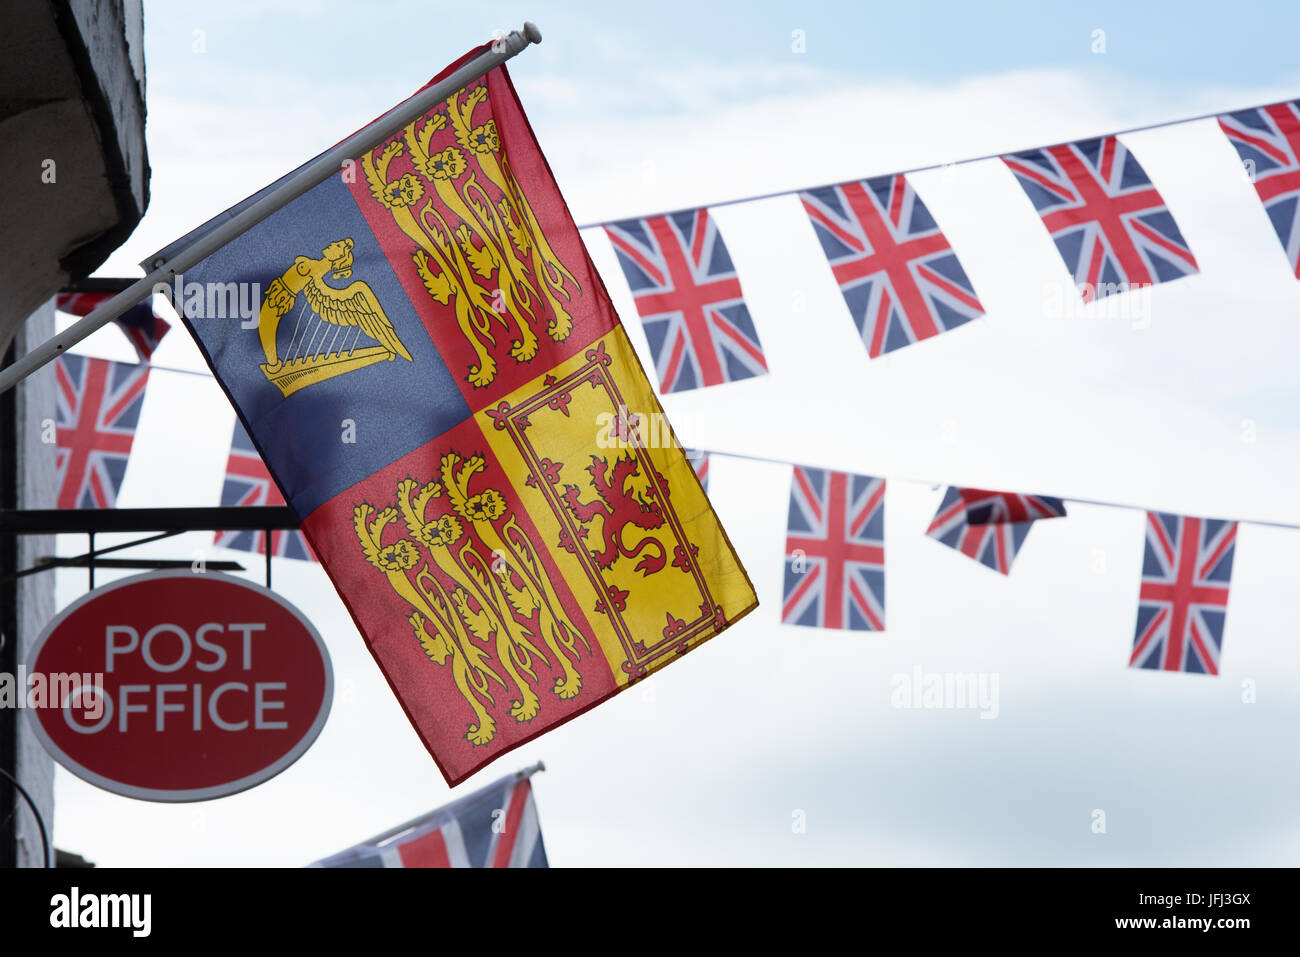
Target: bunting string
[
  {"x": 902, "y": 283},
  {"x": 741, "y": 456},
  {"x": 766, "y": 460},
  {"x": 774, "y": 194}
]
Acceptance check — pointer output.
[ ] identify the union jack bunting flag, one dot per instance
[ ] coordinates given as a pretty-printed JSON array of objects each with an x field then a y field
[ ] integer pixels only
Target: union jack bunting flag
[
  {"x": 98, "y": 408},
  {"x": 689, "y": 298},
  {"x": 700, "y": 462},
  {"x": 989, "y": 527},
  {"x": 496, "y": 826},
  {"x": 1268, "y": 141},
  {"x": 1186, "y": 571},
  {"x": 835, "y": 551},
  {"x": 995, "y": 508},
  {"x": 140, "y": 324},
  {"x": 1108, "y": 222},
  {"x": 249, "y": 483},
  {"x": 898, "y": 275}
]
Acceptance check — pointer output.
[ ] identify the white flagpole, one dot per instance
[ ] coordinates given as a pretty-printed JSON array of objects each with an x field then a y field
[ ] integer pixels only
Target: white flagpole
[
  {"x": 530, "y": 771},
  {"x": 315, "y": 173}
]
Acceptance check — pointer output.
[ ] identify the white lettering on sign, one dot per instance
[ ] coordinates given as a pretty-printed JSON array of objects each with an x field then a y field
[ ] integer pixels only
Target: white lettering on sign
[
  {"x": 166, "y": 648},
  {"x": 124, "y": 707},
  {"x": 226, "y": 706},
  {"x": 104, "y": 706},
  {"x": 146, "y": 647},
  {"x": 218, "y": 651},
  {"x": 112, "y": 649},
  {"x": 124, "y": 640},
  {"x": 248, "y": 641},
  {"x": 261, "y": 705},
  {"x": 212, "y": 707},
  {"x": 161, "y": 707}
]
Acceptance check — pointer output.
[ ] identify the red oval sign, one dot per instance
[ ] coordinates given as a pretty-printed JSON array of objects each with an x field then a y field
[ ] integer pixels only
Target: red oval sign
[{"x": 176, "y": 686}]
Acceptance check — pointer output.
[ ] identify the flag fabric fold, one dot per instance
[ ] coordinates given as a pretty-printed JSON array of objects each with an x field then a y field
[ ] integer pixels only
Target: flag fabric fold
[
  {"x": 900, "y": 279},
  {"x": 432, "y": 352},
  {"x": 496, "y": 826},
  {"x": 1110, "y": 225},
  {"x": 989, "y": 527},
  {"x": 689, "y": 298}
]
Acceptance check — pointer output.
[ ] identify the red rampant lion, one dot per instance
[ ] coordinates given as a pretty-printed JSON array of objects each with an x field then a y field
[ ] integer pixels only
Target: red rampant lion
[{"x": 619, "y": 507}]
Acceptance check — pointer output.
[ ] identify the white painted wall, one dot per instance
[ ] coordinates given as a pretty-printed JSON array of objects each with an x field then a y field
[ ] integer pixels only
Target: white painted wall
[{"x": 36, "y": 400}]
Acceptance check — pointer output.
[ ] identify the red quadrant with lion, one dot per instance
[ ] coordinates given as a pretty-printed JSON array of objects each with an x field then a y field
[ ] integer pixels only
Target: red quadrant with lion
[{"x": 486, "y": 645}]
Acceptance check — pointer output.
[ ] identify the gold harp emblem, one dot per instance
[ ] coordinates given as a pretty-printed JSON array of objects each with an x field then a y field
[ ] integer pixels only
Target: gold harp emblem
[{"x": 327, "y": 332}]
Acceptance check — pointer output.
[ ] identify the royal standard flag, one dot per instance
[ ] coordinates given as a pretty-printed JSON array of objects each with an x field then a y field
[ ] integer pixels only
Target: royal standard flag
[{"x": 436, "y": 379}]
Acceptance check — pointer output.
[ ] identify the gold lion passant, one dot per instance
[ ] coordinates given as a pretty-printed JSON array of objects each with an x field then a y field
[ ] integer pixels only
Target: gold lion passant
[
  {"x": 500, "y": 616},
  {"x": 479, "y": 249}
]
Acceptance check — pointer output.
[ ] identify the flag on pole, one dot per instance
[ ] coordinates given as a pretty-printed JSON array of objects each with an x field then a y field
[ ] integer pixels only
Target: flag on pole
[
  {"x": 97, "y": 410},
  {"x": 141, "y": 324},
  {"x": 898, "y": 275},
  {"x": 688, "y": 294},
  {"x": 247, "y": 484},
  {"x": 1109, "y": 223},
  {"x": 1183, "y": 601},
  {"x": 989, "y": 527},
  {"x": 432, "y": 349},
  {"x": 835, "y": 551},
  {"x": 496, "y": 826},
  {"x": 1268, "y": 142}
]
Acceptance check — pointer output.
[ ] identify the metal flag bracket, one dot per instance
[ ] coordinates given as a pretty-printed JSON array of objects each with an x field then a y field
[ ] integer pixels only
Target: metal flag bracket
[{"x": 175, "y": 521}]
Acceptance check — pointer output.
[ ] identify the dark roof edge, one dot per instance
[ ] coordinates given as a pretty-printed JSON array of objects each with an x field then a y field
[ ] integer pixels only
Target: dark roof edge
[{"x": 86, "y": 258}]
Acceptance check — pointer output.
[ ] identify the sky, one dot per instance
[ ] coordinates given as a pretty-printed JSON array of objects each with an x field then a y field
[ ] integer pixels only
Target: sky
[{"x": 774, "y": 744}]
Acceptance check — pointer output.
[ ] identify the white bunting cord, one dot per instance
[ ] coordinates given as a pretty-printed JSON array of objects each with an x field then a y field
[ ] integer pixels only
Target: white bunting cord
[
  {"x": 892, "y": 478},
  {"x": 326, "y": 163},
  {"x": 932, "y": 166},
  {"x": 933, "y": 484}
]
